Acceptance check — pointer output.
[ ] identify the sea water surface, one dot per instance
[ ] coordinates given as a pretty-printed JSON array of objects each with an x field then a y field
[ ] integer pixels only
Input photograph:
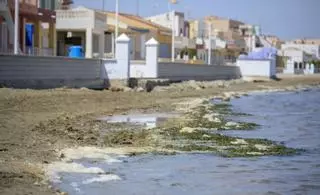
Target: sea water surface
[{"x": 292, "y": 118}]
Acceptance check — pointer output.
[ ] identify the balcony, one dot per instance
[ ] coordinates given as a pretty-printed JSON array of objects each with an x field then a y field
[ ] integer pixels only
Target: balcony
[
  {"x": 80, "y": 18},
  {"x": 74, "y": 19}
]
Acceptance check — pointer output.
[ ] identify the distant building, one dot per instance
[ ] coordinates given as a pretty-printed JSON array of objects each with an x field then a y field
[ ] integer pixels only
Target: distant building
[
  {"x": 143, "y": 30},
  {"x": 222, "y": 24},
  {"x": 311, "y": 49},
  {"x": 306, "y": 41},
  {"x": 166, "y": 21},
  {"x": 196, "y": 29}
]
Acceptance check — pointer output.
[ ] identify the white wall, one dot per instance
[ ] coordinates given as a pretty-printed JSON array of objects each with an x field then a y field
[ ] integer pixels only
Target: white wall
[
  {"x": 308, "y": 48},
  {"x": 139, "y": 70},
  {"x": 294, "y": 55},
  {"x": 261, "y": 68}
]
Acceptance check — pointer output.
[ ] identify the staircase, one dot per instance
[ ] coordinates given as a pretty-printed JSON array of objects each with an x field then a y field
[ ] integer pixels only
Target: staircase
[
  {"x": 6, "y": 14},
  {"x": 265, "y": 42}
]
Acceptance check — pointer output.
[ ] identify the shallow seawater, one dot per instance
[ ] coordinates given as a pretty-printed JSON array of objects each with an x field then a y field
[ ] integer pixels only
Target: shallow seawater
[
  {"x": 148, "y": 120},
  {"x": 291, "y": 118}
]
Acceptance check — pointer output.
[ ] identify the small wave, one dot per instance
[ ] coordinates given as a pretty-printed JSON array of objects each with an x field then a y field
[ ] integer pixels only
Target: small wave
[
  {"x": 101, "y": 179},
  {"x": 54, "y": 169}
]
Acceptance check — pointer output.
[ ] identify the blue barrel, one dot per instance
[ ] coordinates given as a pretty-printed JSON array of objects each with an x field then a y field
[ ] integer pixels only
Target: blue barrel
[{"x": 75, "y": 52}]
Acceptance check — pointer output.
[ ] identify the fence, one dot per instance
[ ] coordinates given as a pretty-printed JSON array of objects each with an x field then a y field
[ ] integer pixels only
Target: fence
[{"x": 50, "y": 72}]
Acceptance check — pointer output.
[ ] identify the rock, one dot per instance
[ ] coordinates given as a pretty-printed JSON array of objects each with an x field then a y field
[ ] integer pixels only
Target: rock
[
  {"x": 84, "y": 88},
  {"x": 120, "y": 89},
  {"x": 187, "y": 130},
  {"x": 127, "y": 89},
  {"x": 231, "y": 124},
  {"x": 212, "y": 118},
  {"x": 239, "y": 142},
  {"x": 226, "y": 99},
  {"x": 139, "y": 89},
  {"x": 261, "y": 147}
]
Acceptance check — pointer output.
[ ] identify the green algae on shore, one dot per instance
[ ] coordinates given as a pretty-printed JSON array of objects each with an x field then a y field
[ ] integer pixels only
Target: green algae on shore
[{"x": 197, "y": 131}]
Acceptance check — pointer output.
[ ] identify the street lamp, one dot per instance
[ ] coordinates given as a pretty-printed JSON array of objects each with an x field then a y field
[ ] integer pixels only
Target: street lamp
[
  {"x": 16, "y": 27},
  {"x": 117, "y": 25},
  {"x": 173, "y": 28},
  {"x": 210, "y": 42},
  {"x": 117, "y": 18}
]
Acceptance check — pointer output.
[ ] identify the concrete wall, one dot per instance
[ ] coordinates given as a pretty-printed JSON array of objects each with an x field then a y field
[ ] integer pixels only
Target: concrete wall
[
  {"x": 53, "y": 72},
  {"x": 176, "y": 71},
  {"x": 49, "y": 72},
  {"x": 260, "y": 68}
]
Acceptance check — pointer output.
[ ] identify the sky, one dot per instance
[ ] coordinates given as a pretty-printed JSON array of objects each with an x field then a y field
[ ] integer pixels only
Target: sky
[{"x": 287, "y": 19}]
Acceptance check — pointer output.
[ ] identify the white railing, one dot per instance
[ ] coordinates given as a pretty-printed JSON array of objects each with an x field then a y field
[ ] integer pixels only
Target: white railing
[{"x": 71, "y": 14}]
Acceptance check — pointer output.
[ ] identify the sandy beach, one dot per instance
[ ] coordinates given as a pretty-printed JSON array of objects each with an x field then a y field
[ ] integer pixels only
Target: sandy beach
[{"x": 36, "y": 124}]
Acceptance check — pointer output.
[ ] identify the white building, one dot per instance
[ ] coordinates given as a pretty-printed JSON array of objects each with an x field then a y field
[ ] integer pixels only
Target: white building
[
  {"x": 312, "y": 49},
  {"x": 81, "y": 26},
  {"x": 166, "y": 21}
]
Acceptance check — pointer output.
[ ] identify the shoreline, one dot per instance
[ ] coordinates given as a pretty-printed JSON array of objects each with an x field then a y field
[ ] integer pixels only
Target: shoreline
[{"x": 68, "y": 126}]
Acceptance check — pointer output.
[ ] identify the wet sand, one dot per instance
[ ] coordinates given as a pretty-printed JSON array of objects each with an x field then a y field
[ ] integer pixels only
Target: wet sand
[{"x": 36, "y": 124}]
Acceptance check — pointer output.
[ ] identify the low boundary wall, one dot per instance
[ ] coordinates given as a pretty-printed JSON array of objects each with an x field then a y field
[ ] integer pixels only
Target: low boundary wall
[
  {"x": 49, "y": 72},
  {"x": 176, "y": 71},
  {"x": 52, "y": 72}
]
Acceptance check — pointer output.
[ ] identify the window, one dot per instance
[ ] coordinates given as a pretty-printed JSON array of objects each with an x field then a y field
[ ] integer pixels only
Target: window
[{"x": 295, "y": 65}]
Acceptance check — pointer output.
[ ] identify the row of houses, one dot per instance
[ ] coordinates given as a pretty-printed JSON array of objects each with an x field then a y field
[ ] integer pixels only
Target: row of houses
[{"x": 56, "y": 26}]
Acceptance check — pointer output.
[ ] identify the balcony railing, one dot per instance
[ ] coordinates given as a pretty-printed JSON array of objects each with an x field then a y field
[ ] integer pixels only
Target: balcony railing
[{"x": 71, "y": 14}]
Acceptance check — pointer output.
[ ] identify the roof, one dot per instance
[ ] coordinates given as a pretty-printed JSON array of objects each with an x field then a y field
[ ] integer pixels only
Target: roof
[
  {"x": 111, "y": 28},
  {"x": 143, "y": 23}
]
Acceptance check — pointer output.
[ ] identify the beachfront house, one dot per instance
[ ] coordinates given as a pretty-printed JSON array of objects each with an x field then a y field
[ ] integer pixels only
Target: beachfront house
[
  {"x": 37, "y": 27},
  {"x": 141, "y": 30},
  {"x": 81, "y": 26}
]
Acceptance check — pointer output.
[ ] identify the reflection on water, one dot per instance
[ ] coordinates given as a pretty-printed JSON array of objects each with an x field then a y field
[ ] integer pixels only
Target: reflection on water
[
  {"x": 291, "y": 118},
  {"x": 147, "y": 120}
]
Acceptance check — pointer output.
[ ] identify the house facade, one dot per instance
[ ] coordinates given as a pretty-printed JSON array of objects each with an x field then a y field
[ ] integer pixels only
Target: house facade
[
  {"x": 36, "y": 28},
  {"x": 142, "y": 30},
  {"x": 312, "y": 49},
  {"x": 81, "y": 27}
]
